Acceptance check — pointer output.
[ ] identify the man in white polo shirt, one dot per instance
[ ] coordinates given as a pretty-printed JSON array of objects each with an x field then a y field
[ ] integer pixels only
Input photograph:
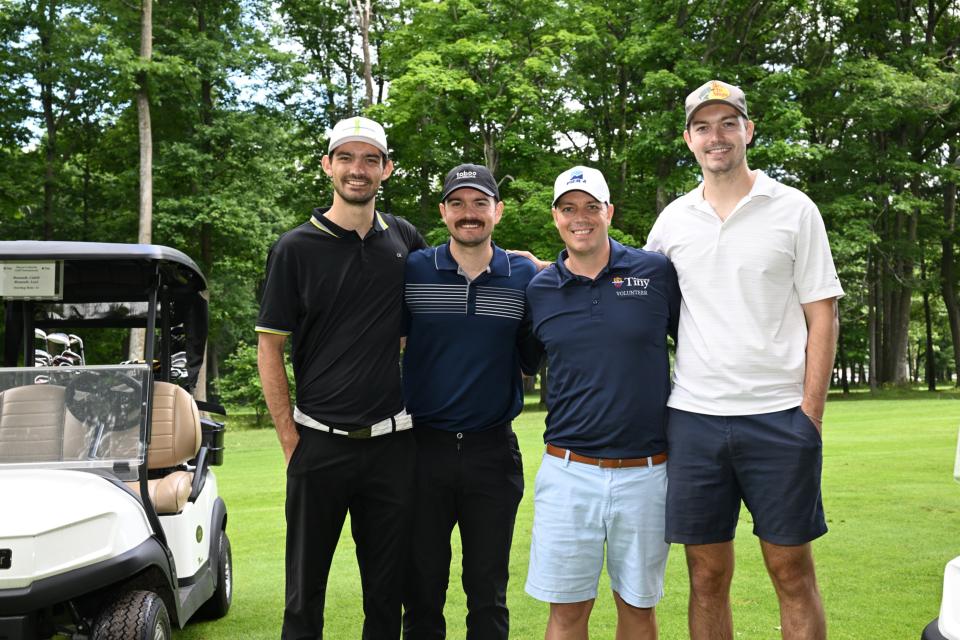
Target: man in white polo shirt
[{"x": 757, "y": 335}]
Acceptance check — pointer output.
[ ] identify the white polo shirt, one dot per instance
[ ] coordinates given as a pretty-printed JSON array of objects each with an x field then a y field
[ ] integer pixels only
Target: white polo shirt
[{"x": 742, "y": 338}]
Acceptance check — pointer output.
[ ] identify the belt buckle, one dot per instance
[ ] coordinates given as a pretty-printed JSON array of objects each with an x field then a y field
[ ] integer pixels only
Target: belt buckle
[{"x": 359, "y": 434}]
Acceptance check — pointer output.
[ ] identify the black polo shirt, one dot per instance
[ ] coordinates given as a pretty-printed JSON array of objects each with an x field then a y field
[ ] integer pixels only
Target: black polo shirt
[{"x": 339, "y": 297}]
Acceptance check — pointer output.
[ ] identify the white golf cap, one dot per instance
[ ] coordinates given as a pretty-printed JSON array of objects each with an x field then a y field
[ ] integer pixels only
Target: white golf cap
[
  {"x": 582, "y": 179},
  {"x": 358, "y": 129}
]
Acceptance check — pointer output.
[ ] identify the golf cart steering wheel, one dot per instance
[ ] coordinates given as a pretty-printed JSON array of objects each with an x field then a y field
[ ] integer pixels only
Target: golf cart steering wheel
[{"x": 118, "y": 412}]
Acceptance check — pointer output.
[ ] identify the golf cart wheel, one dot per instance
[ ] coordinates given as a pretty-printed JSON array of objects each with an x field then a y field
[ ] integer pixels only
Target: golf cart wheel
[
  {"x": 219, "y": 603},
  {"x": 136, "y": 615}
]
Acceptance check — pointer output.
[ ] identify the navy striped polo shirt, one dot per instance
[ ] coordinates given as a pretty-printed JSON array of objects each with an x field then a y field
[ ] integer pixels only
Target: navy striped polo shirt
[{"x": 466, "y": 340}]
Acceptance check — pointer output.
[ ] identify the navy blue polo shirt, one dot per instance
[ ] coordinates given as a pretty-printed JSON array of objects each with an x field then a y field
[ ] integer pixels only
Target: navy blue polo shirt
[
  {"x": 608, "y": 373},
  {"x": 466, "y": 341}
]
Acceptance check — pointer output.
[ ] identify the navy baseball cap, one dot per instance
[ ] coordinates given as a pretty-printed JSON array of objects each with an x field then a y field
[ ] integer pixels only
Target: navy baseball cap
[{"x": 474, "y": 176}]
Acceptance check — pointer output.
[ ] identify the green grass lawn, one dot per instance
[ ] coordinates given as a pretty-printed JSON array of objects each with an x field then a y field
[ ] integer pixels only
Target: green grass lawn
[{"x": 891, "y": 505}]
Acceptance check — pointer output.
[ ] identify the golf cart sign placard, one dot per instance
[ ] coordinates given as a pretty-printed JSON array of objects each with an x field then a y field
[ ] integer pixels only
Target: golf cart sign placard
[{"x": 40, "y": 280}]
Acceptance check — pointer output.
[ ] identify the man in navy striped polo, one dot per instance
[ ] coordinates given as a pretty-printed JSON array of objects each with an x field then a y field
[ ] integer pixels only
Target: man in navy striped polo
[{"x": 468, "y": 339}]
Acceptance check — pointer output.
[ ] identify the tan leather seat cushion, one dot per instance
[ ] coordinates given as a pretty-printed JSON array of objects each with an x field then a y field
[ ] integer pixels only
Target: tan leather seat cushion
[
  {"x": 176, "y": 433},
  {"x": 31, "y": 423},
  {"x": 168, "y": 494}
]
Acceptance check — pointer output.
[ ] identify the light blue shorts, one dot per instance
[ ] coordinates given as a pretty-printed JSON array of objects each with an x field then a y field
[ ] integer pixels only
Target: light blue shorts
[{"x": 579, "y": 509}]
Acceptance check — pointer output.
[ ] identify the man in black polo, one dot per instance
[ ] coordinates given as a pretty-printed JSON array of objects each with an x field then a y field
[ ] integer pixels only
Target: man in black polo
[
  {"x": 335, "y": 285},
  {"x": 468, "y": 339}
]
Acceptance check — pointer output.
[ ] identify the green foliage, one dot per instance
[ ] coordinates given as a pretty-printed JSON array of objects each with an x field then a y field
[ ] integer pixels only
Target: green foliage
[
  {"x": 239, "y": 385},
  {"x": 856, "y": 102}
]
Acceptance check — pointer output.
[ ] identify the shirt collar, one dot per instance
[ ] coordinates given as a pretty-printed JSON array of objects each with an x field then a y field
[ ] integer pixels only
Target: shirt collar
[
  {"x": 617, "y": 257},
  {"x": 764, "y": 186},
  {"x": 324, "y": 224},
  {"x": 499, "y": 264}
]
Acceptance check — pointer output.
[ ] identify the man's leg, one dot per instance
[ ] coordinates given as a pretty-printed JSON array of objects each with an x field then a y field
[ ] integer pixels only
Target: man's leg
[
  {"x": 316, "y": 506},
  {"x": 635, "y": 623},
  {"x": 567, "y": 543},
  {"x": 794, "y": 577},
  {"x": 782, "y": 455},
  {"x": 710, "y": 567},
  {"x": 380, "y": 518},
  {"x": 492, "y": 475},
  {"x": 428, "y": 567},
  {"x": 568, "y": 621}
]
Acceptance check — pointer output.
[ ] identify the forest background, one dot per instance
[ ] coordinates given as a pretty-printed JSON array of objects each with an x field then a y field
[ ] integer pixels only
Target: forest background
[{"x": 856, "y": 102}]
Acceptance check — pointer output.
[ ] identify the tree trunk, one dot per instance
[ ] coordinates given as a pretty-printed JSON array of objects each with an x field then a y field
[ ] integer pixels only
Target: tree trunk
[
  {"x": 872, "y": 301},
  {"x": 844, "y": 381},
  {"x": 543, "y": 386},
  {"x": 45, "y": 32},
  {"x": 364, "y": 15},
  {"x": 948, "y": 278},
  {"x": 145, "y": 229}
]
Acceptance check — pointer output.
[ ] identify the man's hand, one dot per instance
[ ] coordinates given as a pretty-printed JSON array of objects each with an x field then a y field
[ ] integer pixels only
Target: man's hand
[
  {"x": 814, "y": 413},
  {"x": 289, "y": 442},
  {"x": 540, "y": 264}
]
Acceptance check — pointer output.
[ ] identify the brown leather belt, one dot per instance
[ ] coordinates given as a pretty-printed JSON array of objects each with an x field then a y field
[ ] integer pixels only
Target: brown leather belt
[{"x": 607, "y": 463}]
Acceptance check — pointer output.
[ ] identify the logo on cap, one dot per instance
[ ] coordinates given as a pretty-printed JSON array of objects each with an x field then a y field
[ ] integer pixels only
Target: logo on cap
[
  {"x": 715, "y": 91},
  {"x": 466, "y": 174},
  {"x": 576, "y": 176}
]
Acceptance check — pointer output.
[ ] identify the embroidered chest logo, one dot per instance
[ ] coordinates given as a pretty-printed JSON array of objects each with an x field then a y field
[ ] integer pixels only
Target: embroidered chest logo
[{"x": 630, "y": 286}]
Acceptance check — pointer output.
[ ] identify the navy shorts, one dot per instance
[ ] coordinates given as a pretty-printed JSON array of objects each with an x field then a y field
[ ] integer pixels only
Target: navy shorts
[{"x": 771, "y": 461}]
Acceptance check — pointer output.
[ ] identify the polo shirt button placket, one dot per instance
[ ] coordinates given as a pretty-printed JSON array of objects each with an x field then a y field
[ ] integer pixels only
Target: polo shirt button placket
[{"x": 459, "y": 441}]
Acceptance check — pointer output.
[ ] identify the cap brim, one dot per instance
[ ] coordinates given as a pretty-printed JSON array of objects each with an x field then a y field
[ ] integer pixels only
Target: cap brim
[
  {"x": 468, "y": 185},
  {"x": 596, "y": 196},
  {"x": 707, "y": 103},
  {"x": 369, "y": 141}
]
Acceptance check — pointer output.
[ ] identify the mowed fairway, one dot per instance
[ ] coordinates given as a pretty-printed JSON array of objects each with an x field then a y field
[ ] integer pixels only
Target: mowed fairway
[{"x": 891, "y": 504}]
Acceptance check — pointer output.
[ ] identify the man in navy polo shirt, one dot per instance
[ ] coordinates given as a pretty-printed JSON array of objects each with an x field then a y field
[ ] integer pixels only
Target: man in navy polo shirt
[
  {"x": 334, "y": 284},
  {"x": 603, "y": 311},
  {"x": 467, "y": 341}
]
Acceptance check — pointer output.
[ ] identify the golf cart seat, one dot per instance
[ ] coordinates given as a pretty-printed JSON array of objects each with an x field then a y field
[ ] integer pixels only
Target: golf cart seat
[
  {"x": 175, "y": 439},
  {"x": 35, "y": 425}
]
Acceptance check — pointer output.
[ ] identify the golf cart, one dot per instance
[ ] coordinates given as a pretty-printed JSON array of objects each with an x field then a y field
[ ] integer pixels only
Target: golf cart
[
  {"x": 110, "y": 522},
  {"x": 947, "y": 626}
]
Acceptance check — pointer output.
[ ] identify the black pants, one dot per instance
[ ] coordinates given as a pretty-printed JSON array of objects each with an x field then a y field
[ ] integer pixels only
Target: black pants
[
  {"x": 474, "y": 480},
  {"x": 329, "y": 475}
]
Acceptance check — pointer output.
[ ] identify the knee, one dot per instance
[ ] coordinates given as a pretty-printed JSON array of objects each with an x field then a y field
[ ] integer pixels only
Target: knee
[
  {"x": 709, "y": 579},
  {"x": 793, "y": 579},
  {"x": 638, "y": 615},
  {"x": 571, "y": 615}
]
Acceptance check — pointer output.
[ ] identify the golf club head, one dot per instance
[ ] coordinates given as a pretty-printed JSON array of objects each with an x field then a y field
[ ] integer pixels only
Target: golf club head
[
  {"x": 75, "y": 339},
  {"x": 40, "y": 334},
  {"x": 59, "y": 338}
]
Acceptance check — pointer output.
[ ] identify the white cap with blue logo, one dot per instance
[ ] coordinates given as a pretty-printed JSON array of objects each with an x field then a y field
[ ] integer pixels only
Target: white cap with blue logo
[{"x": 584, "y": 179}]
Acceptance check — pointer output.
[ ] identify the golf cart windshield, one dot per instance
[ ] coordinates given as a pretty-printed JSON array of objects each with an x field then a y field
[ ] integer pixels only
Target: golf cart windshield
[{"x": 73, "y": 418}]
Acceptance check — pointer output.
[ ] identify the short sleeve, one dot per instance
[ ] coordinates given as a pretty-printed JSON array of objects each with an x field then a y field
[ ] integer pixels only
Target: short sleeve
[
  {"x": 279, "y": 298},
  {"x": 814, "y": 275}
]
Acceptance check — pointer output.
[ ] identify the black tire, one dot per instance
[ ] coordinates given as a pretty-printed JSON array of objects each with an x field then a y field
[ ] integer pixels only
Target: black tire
[
  {"x": 219, "y": 603},
  {"x": 136, "y": 615}
]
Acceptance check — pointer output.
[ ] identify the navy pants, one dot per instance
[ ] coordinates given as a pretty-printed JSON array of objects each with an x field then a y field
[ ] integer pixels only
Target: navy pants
[
  {"x": 473, "y": 480},
  {"x": 328, "y": 476}
]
